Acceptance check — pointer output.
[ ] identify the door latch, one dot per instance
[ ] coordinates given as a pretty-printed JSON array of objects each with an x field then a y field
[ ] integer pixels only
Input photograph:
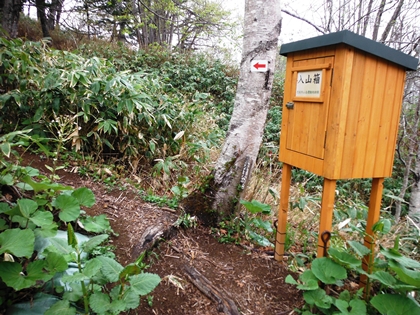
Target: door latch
[{"x": 290, "y": 105}]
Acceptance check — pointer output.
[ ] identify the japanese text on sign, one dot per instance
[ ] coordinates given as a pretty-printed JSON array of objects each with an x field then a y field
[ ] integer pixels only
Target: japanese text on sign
[{"x": 309, "y": 83}]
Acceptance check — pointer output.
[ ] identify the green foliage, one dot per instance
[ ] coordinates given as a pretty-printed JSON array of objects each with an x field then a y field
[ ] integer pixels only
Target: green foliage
[
  {"x": 395, "y": 304},
  {"x": 42, "y": 253},
  {"x": 162, "y": 200},
  {"x": 327, "y": 271},
  {"x": 271, "y": 136},
  {"x": 181, "y": 190},
  {"x": 139, "y": 110},
  {"x": 394, "y": 274},
  {"x": 186, "y": 220},
  {"x": 105, "y": 109},
  {"x": 155, "y": 22},
  {"x": 252, "y": 224},
  {"x": 273, "y": 125},
  {"x": 129, "y": 283}
]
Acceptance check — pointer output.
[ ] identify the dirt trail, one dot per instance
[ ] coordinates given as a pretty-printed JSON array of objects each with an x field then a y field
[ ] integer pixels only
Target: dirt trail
[{"x": 251, "y": 280}]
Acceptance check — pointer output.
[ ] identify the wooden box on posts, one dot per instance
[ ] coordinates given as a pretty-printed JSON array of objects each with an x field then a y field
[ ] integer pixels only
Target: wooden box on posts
[{"x": 342, "y": 103}]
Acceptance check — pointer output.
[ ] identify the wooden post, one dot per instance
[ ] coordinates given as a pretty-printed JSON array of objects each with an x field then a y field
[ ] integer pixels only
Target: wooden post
[
  {"x": 283, "y": 209},
  {"x": 327, "y": 207},
  {"x": 373, "y": 217}
]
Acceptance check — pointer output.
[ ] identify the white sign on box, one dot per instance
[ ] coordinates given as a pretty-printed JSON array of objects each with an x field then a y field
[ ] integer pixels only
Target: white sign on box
[{"x": 309, "y": 83}]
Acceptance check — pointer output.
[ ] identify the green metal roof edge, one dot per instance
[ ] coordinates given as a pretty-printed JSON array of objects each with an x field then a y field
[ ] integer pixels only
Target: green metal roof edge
[{"x": 357, "y": 41}]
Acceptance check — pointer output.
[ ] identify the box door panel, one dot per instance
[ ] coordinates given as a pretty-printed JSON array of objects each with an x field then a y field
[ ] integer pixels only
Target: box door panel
[{"x": 307, "y": 109}]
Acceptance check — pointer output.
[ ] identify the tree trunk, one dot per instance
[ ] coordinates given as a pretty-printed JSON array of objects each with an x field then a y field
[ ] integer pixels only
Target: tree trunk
[
  {"x": 40, "y": 7},
  {"x": 414, "y": 208},
  {"x": 244, "y": 137},
  {"x": 405, "y": 183},
  {"x": 330, "y": 15},
  {"x": 408, "y": 142},
  {"x": 366, "y": 19},
  {"x": 59, "y": 11},
  {"x": 136, "y": 12},
  {"x": 10, "y": 16},
  {"x": 392, "y": 21},
  {"x": 54, "y": 13},
  {"x": 359, "y": 17},
  {"x": 378, "y": 20}
]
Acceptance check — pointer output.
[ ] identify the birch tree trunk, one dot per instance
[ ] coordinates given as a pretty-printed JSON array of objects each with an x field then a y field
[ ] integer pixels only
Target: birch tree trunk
[
  {"x": 414, "y": 205},
  {"x": 414, "y": 208},
  {"x": 239, "y": 152},
  {"x": 378, "y": 20},
  {"x": 408, "y": 145}
]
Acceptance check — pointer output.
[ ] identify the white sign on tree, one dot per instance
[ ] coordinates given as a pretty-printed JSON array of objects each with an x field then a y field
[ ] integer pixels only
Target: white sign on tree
[{"x": 259, "y": 65}]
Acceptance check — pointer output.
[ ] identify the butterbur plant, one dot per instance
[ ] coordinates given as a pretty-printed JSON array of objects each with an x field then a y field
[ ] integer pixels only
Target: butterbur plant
[
  {"x": 393, "y": 276},
  {"x": 43, "y": 260},
  {"x": 315, "y": 286},
  {"x": 93, "y": 276}
]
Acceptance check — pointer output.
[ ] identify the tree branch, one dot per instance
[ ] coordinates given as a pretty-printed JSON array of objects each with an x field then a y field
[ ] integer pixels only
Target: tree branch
[
  {"x": 304, "y": 20},
  {"x": 392, "y": 21},
  {"x": 224, "y": 303},
  {"x": 154, "y": 12}
]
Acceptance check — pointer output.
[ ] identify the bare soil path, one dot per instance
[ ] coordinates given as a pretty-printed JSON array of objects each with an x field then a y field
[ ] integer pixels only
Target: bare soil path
[{"x": 234, "y": 280}]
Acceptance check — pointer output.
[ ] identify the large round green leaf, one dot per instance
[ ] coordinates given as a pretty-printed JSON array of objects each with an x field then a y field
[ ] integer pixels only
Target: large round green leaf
[
  {"x": 255, "y": 206},
  {"x": 309, "y": 281},
  {"x": 328, "y": 271},
  {"x": 11, "y": 274},
  {"x": 85, "y": 196},
  {"x": 97, "y": 224},
  {"x": 411, "y": 277},
  {"x": 17, "y": 242},
  {"x": 69, "y": 207},
  {"x": 395, "y": 304},
  {"x": 27, "y": 207},
  {"x": 318, "y": 297},
  {"x": 42, "y": 218},
  {"x": 345, "y": 258}
]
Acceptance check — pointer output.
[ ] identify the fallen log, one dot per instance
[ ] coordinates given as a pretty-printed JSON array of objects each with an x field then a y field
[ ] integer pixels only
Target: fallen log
[
  {"x": 151, "y": 236},
  {"x": 224, "y": 303}
]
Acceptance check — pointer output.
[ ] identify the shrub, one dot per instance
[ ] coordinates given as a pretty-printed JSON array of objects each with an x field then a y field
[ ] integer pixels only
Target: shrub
[{"x": 133, "y": 115}]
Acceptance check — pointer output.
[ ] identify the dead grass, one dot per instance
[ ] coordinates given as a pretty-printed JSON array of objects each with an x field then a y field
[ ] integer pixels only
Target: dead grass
[{"x": 303, "y": 222}]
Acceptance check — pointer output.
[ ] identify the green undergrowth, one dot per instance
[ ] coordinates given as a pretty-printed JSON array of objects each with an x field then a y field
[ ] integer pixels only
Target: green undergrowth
[
  {"x": 47, "y": 267},
  {"x": 161, "y": 120},
  {"x": 252, "y": 225},
  {"x": 392, "y": 281}
]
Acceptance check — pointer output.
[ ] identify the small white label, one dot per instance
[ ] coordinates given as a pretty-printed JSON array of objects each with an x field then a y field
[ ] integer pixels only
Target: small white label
[
  {"x": 259, "y": 65},
  {"x": 309, "y": 83}
]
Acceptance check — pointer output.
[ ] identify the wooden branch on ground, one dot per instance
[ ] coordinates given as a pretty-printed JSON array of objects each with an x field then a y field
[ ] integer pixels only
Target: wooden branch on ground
[
  {"x": 151, "y": 236},
  {"x": 224, "y": 304}
]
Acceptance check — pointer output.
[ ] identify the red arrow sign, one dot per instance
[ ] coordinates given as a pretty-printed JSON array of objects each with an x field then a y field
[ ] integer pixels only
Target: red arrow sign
[{"x": 258, "y": 66}]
